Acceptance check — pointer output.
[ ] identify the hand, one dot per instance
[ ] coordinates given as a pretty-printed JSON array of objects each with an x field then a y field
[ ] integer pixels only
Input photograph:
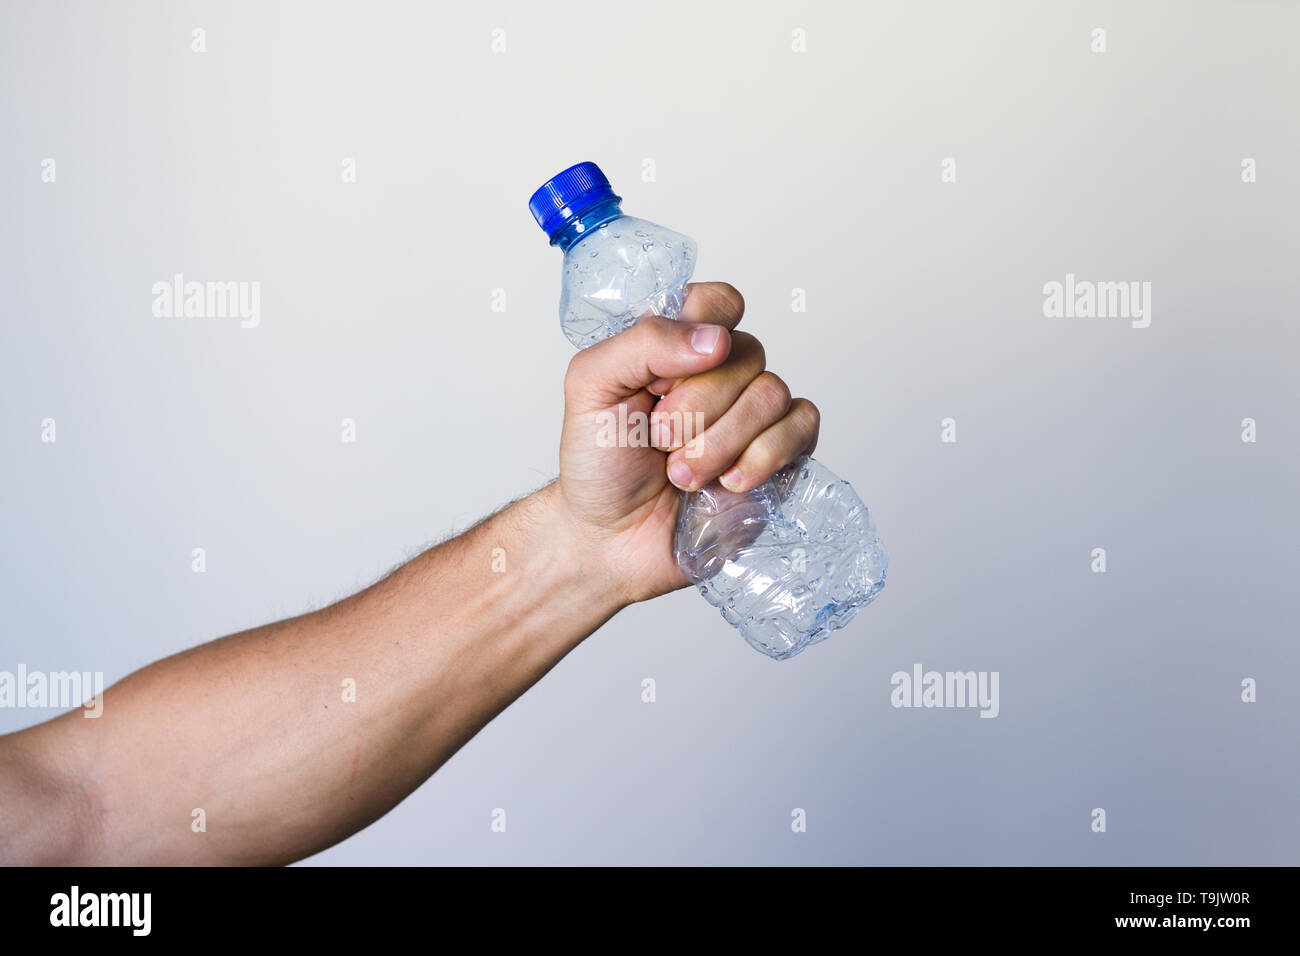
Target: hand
[{"x": 733, "y": 420}]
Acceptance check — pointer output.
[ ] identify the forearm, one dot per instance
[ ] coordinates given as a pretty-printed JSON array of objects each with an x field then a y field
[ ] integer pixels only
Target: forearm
[
  {"x": 259, "y": 731},
  {"x": 285, "y": 739}
]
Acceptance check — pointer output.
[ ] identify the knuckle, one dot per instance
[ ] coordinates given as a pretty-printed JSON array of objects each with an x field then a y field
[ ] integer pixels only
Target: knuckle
[
  {"x": 651, "y": 329},
  {"x": 651, "y": 335},
  {"x": 749, "y": 349},
  {"x": 764, "y": 454},
  {"x": 807, "y": 416},
  {"x": 576, "y": 373},
  {"x": 728, "y": 298},
  {"x": 772, "y": 395}
]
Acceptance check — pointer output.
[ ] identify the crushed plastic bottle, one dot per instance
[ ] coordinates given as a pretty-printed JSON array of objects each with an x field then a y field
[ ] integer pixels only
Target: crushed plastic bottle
[{"x": 786, "y": 563}]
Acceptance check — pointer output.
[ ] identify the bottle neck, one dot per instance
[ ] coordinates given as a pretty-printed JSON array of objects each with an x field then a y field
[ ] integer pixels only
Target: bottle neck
[{"x": 587, "y": 221}]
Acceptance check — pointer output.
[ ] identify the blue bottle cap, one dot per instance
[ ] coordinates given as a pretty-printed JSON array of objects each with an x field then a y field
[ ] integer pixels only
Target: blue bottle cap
[{"x": 567, "y": 195}]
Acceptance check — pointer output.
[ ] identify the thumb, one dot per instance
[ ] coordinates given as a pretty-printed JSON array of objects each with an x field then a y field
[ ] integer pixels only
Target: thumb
[{"x": 653, "y": 349}]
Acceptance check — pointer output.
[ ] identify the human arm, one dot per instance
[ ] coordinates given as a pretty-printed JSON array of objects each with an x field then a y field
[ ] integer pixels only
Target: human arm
[{"x": 253, "y": 729}]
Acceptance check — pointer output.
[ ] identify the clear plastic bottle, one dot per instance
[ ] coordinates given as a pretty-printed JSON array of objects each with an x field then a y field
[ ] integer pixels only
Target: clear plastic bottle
[{"x": 786, "y": 563}]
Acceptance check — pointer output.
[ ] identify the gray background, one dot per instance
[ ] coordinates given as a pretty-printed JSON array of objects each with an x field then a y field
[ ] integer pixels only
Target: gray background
[{"x": 817, "y": 170}]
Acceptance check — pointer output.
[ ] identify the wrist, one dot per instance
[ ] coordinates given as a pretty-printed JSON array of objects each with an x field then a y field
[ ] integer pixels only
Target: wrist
[{"x": 576, "y": 563}]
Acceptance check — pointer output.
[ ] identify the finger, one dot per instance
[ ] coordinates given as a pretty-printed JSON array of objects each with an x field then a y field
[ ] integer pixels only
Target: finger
[
  {"x": 655, "y": 348},
  {"x": 776, "y": 447},
  {"x": 764, "y": 402},
  {"x": 719, "y": 303},
  {"x": 695, "y": 403}
]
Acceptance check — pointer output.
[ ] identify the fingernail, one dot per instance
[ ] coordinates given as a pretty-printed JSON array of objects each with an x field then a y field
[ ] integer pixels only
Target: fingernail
[
  {"x": 679, "y": 473},
  {"x": 705, "y": 339},
  {"x": 661, "y": 435},
  {"x": 732, "y": 479}
]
